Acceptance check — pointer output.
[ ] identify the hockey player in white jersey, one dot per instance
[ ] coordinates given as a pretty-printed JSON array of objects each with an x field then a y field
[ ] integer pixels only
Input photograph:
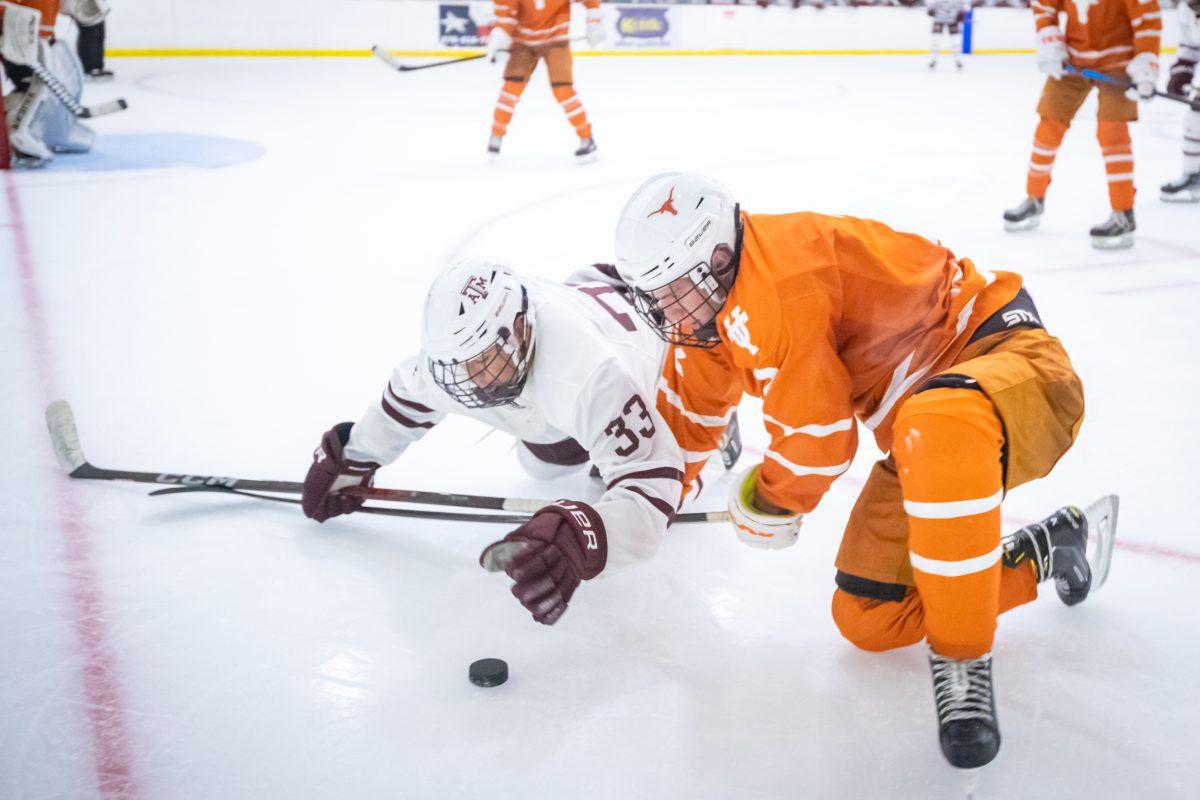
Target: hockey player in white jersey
[
  {"x": 39, "y": 124},
  {"x": 571, "y": 372},
  {"x": 1186, "y": 188},
  {"x": 948, "y": 17}
]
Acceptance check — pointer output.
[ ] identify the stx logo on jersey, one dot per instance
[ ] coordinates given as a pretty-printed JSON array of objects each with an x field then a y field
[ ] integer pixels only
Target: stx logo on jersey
[
  {"x": 668, "y": 206},
  {"x": 1081, "y": 8},
  {"x": 476, "y": 289},
  {"x": 1018, "y": 316},
  {"x": 735, "y": 326}
]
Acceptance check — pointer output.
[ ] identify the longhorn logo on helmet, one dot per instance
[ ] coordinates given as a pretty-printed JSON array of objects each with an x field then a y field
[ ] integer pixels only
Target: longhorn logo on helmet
[{"x": 668, "y": 206}]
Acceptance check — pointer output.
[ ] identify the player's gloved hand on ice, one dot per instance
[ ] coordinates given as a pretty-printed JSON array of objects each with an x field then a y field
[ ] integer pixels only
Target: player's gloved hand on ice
[
  {"x": 499, "y": 44},
  {"x": 1182, "y": 72},
  {"x": 755, "y": 527},
  {"x": 595, "y": 27},
  {"x": 1143, "y": 71},
  {"x": 330, "y": 472},
  {"x": 1051, "y": 51},
  {"x": 548, "y": 556}
]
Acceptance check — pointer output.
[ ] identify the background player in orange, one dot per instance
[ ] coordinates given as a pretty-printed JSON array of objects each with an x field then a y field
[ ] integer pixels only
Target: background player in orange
[
  {"x": 836, "y": 321},
  {"x": 528, "y": 31},
  {"x": 1118, "y": 38}
]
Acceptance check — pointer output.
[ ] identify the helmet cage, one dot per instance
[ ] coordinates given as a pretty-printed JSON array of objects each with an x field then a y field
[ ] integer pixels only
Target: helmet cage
[
  {"x": 697, "y": 296},
  {"x": 495, "y": 376}
]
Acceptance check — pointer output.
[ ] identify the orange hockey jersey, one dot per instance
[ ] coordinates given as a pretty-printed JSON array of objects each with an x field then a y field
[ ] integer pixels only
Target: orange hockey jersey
[
  {"x": 831, "y": 319},
  {"x": 537, "y": 22},
  {"x": 1103, "y": 34}
]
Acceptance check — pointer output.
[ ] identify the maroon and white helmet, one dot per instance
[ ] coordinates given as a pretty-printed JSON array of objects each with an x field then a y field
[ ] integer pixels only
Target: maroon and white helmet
[
  {"x": 677, "y": 246},
  {"x": 477, "y": 333}
]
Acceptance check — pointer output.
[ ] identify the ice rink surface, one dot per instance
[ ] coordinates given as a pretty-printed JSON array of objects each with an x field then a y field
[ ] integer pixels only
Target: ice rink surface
[{"x": 244, "y": 257}]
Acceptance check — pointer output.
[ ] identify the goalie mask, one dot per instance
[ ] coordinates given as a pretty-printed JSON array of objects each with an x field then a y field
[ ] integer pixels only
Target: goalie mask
[
  {"x": 477, "y": 333},
  {"x": 678, "y": 244}
]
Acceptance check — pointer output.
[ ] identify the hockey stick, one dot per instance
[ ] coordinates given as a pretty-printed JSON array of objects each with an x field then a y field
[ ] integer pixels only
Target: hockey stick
[
  {"x": 415, "y": 513},
  {"x": 64, "y": 95},
  {"x": 380, "y": 52},
  {"x": 64, "y": 436},
  {"x": 1100, "y": 77}
]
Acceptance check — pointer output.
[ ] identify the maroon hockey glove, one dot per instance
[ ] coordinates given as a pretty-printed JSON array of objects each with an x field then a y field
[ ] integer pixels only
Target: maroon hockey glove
[
  {"x": 1181, "y": 76},
  {"x": 549, "y": 555},
  {"x": 330, "y": 472}
]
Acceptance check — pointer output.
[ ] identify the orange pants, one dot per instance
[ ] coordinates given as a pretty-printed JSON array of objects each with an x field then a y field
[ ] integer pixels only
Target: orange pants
[
  {"x": 521, "y": 63},
  {"x": 1061, "y": 99},
  {"x": 921, "y": 556}
]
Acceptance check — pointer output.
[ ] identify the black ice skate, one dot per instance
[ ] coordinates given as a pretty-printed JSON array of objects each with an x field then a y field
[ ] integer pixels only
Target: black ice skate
[
  {"x": 967, "y": 726},
  {"x": 494, "y": 146},
  {"x": 99, "y": 75},
  {"x": 1071, "y": 546},
  {"x": 1025, "y": 216},
  {"x": 587, "y": 151},
  {"x": 1116, "y": 232},
  {"x": 1182, "y": 190}
]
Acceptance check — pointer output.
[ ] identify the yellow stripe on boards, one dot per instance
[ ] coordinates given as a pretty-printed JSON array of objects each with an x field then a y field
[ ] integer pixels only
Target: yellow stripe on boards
[{"x": 201, "y": 52}]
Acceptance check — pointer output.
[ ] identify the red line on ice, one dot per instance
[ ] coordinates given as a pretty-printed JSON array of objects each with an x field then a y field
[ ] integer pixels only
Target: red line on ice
[{"x": 105, "y": 712}]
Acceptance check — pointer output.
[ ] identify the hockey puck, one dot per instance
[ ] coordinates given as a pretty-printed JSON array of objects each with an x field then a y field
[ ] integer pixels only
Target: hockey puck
[{"x": 488, "y": 672}]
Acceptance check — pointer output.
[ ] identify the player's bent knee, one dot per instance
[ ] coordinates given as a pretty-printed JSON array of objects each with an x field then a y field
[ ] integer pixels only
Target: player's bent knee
[
  {"x": 877, "y": 625},
  {"x": 946, "y": 424}
]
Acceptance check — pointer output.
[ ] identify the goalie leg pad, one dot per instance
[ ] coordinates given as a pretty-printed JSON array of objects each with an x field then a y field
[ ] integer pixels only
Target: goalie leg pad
[{"x": 41, "y": 124}]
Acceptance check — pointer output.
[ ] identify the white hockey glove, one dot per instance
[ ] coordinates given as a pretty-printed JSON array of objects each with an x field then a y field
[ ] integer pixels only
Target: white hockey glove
[
  {"x": 1051, "y": 51},
  {"x": 595, "y": 27},
  {"x": 1143, "y": 71},
  {"x": 498, "y": 46},
  {"x": 758, "y": 528},
  {"x": 19, "y": 38}
]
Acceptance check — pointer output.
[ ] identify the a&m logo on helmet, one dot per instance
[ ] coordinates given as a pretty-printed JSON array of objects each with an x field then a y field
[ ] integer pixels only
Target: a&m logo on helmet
[
  {"x": 475, "y": 289},
  {"x": 668, "y": 206}
]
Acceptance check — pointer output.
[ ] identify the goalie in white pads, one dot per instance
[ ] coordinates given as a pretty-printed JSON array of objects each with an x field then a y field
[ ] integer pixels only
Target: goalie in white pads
[
  {"x": 1186, "y": 188},
  {"x": 39, "y": 124},
  {"x": 571, "y": 372}
]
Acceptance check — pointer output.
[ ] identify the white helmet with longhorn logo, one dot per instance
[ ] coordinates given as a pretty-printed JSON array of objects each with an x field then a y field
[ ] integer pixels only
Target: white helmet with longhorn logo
[
  {"x": 477, "y": 333},
  {"x": 677, "y": 246}
]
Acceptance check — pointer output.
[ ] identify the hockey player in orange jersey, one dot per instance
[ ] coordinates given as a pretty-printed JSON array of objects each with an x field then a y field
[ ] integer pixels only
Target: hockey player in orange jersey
[
  {"x": 836, "y": 322},
  {"x": 1121, "y": 39},
  {"x": 528, "y": 31}
]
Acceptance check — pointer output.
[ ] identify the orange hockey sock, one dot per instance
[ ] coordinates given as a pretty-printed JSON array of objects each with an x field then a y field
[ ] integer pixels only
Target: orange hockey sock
[
  {"x": 1046, "y": 141},
  {"x": 506, "y": 105},
  {"x": 1113, "y": 136},
  {"x": 572, "y": 106},
  {"x": 948, "y": 448}
]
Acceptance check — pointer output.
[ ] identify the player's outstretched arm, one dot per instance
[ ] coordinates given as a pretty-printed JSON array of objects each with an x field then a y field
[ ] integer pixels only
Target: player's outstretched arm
[{"x": 350, "y": 453}]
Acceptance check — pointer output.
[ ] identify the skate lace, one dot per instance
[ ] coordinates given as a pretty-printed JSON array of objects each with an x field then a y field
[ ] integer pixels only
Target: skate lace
[{"x": 962, "y": 689}]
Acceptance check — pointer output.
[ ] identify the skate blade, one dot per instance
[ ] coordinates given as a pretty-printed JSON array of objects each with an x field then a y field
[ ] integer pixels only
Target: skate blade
[
  {"x": 1101, "y": 519},
  {"x": 1180, "y": 197},
  {"x": 1121, "y": 242},
  {"x": 1022, "y": 225},
  {"x": 583, "y": 161}
]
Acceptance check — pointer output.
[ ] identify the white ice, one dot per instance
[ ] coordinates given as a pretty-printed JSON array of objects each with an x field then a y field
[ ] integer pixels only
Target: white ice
[{"x": 218, "y": 320}]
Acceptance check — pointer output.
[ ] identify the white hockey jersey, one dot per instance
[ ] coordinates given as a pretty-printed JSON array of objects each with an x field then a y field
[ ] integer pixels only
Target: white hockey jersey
[
  {"x": 946, "y": 11},
  {"x": 1189, "y": 36},
  {"x": 592, "y": 379}
]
